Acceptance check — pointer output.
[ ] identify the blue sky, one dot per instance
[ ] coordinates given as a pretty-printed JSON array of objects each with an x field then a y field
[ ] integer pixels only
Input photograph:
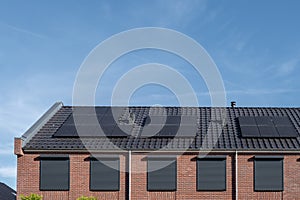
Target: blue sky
[{"x": 254, "y": 43}]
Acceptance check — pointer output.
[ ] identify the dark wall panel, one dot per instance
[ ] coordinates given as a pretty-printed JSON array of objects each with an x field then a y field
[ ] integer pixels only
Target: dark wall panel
[
  {"x": 54, "y": 174},
  {"x": 268, "y": 175},
  {"x": 211, "y": 174},
  {"x": 105, "y": 174},
  {"x": 162, "y": 175}
]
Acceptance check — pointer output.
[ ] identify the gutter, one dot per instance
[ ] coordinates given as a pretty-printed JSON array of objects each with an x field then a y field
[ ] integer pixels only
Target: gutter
[
  {"x": 236, "y": 177},
  {"x": 297, "y": 151},
  {"x": 40, "y": 123},
  {"x": 129, "y": 175}
]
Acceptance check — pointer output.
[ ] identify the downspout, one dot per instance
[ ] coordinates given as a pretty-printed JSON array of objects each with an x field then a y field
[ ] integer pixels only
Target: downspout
[
  {"x": 129, "y": 174},
  {"x": 236, "y": 176}
]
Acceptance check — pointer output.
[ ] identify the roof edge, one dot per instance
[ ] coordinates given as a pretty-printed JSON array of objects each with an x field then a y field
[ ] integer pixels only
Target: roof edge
[
  {"x": 251, "y": 151},
  {"x": 40, "y": 122}
]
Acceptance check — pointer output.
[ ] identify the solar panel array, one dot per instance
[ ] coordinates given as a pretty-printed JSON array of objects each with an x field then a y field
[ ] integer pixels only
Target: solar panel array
[
  {"x": 169, "y": 126},
  {"x": 266, "y": 127},
  {"x": 108, "y": 122},
  {"x": 102, "y": 122}
]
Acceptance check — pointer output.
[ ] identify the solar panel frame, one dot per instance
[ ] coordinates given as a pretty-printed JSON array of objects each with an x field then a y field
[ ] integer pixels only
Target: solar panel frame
[
  {"x": 287, "y": 131},
  {"x": 85, "y": 131},
  {"x": 168, "y": 131},
  {"x": 151, "y": 120},
  {"x": 84, "y": 119},
  {"x": 66, "y": 131},
  {"x": 173, "y": 120},
  {"x": 250, "y": 131},
  {"x": 263, "y": 121},
  {"x": 170, "y": 120},
  {"x": 246, "y": 121},
  {"x": 187, "y": 131},
  {"x": 268, "y": 131},
  {"x": 268, "y": 127},
  {"x": 108, "y": 120},
  {"x": 72, "y": 131},
  {"x": 120, "y": 131},
  {"x": 189, "y": 120},
  {"x": 282, "y": 121}
]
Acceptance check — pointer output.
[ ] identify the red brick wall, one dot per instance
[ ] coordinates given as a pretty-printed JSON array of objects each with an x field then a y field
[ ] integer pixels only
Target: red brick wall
[
  {"x": 186, "y": 181},
  {"x": 291, "y": 179},
  {"x": 28, "y": 179}
]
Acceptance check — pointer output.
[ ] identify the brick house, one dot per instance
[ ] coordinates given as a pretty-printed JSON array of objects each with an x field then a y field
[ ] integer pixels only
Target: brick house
[{"x": 161, "y": 153}]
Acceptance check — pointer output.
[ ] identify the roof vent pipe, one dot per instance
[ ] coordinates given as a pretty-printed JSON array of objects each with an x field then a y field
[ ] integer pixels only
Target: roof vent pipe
[{"x": 233, "y": 104}]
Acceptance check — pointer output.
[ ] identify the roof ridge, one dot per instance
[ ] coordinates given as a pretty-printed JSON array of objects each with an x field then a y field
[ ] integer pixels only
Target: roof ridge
[
  {"x": 170, "y": 106},
  {"x": 40, "y": 122}
]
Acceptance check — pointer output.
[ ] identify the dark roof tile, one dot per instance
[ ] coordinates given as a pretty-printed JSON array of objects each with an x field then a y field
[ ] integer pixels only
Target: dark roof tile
[
  {"x": 210, "y": 133},
  {"x": 6, "y": 192}
]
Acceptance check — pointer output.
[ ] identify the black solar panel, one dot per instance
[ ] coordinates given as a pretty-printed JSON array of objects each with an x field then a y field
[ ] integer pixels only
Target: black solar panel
[
  {"x": 108, "y": 120},
  {"x": 94, "y": 131},
  {"x": 170, "y": 120},
  {"x": 188, "y": 120},
  {"x": 66, "y": 130},
  {"x": 173, "y": 120},
  {"x": 169, "y": 131},
  {"x": 187, "y": 131},
  {"x": 76, "y": 131},
  {"x": 247, "y": 121},
  {"x": 282, "y": 121},
  {"x": 83, "y": 119},
  {"x": 249, "y": 131},
  {"x": 121, "y": 131},
  {"x": 151, "y": 130},
  {"x": 106, "y": 130},
  {"x": 286, "y": 131},
  {"x": 267, "y": 127},
  {"x": 268, "y": 131},
  {"x": 155, "y": 120},
  {"x": 263, "y": 121}
]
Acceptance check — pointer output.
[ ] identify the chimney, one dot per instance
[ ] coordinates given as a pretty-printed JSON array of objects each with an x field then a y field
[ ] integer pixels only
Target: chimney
[
  {"x": 18, "y": 147},
  {"x": 233, "y": 104}
]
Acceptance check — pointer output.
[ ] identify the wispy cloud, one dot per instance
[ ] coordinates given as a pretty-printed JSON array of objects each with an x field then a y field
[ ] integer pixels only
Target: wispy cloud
[
  {"x": 6, "y": 151},
  {"x": 282, "y": 69},
  {"x": 261, "y": 91},
  {"x": 287, "y": 67},
  {"x": 20, "y": 108},
  {"x": 22, "y": 30},
  {"x": 8, "y": 172},
  {"x": 181, "y": 12}
]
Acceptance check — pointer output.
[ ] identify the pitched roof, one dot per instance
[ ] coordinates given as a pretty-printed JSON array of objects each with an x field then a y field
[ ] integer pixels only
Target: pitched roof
[
  {"x": 6, "y": 192},
  {"x": 46, "y": 134}
]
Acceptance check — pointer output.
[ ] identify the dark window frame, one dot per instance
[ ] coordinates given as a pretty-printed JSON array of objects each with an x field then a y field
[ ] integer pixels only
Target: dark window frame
[
  {"x": 99, "y": 159},
  {"x": 268, "y": 158},
  {"x": 172, "y": 159},
  {"x": 56, "y": 157},
  {"x": 211, "y": 158}
]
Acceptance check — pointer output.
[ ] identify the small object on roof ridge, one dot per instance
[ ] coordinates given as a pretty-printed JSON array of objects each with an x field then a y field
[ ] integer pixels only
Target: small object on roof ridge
[{"x": 233, "y": 104}]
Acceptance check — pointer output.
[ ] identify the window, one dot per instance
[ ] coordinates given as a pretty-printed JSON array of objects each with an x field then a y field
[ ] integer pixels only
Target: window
[
  {"x": 211, "y": 173},
  {"x": 54, "y": 172},
  {"x": 162, "y": 173},
  {"x": 268, "y": 173},
  {"x": 105, "y": 174}
]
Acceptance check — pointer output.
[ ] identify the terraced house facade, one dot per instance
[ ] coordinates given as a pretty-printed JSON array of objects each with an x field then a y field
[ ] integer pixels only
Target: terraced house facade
[{"x": 161, "y": 153}]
